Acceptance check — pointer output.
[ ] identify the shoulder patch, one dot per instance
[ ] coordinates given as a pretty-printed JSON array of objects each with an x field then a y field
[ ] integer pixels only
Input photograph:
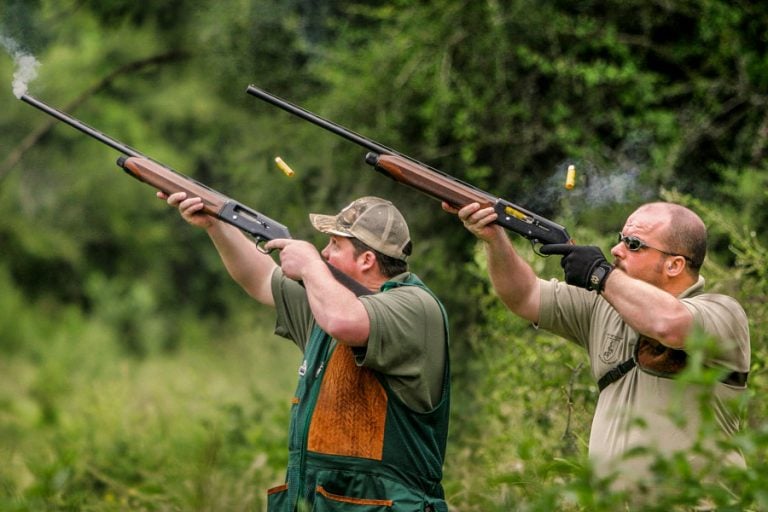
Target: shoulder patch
[{"x": 610, "y": 352}]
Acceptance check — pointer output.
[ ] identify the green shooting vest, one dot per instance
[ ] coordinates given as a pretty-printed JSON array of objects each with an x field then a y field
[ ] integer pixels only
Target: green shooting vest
[{"x": 353, "y": 445}]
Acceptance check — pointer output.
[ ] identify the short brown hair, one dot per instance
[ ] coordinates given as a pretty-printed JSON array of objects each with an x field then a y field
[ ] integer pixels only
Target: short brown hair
[{"x": 389, "y": 266}]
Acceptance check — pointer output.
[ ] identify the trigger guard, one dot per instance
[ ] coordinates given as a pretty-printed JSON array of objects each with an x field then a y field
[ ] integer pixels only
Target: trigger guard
[{"x": 260, "y": 247}]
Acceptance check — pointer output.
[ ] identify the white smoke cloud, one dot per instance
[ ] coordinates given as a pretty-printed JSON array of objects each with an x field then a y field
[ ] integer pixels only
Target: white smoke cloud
[{"x": 26, "y": 66}]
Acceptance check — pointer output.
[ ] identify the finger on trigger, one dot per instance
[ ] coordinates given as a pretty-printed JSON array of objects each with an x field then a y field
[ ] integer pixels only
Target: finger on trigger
[
  {"x": 561, "y": 249},
  {"x": 276, "y": 243}
]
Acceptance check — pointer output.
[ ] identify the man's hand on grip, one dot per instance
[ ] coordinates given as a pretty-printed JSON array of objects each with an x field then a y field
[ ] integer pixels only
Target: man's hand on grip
[
  {"x": 478, "y": 220},
  {"x": 585, "y": 266}
]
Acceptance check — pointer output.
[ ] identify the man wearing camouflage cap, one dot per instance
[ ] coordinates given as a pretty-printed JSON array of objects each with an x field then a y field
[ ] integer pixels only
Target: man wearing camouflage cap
[{"x": 369, "y": 421}]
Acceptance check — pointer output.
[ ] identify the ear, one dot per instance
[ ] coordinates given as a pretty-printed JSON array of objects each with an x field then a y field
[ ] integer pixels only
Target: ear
[
  {"x": 675, "y": 265},
  {"x": 366, "y": 260}
]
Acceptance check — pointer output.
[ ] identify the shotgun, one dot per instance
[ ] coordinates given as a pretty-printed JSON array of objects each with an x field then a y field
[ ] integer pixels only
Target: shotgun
[
  {"x": 430, "y": 181},
  {"x": 165, "y": 179}
]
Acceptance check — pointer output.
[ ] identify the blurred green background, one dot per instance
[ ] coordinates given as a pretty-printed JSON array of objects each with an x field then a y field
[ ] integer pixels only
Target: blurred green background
[{"x": 134, "y": 374}]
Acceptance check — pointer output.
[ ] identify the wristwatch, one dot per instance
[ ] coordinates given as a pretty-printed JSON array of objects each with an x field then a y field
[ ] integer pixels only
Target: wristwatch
[{"x": 599, "y": 275}]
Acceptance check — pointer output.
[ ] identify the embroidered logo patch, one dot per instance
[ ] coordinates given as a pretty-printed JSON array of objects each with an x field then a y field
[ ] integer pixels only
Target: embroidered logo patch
[{"x": 610, "y": 353}]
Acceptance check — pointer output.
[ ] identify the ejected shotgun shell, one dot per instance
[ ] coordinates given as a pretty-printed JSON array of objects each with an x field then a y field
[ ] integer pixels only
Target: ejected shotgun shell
[
  {"x": 570, "y": 177},
  {"x": 284, "y": 167}
]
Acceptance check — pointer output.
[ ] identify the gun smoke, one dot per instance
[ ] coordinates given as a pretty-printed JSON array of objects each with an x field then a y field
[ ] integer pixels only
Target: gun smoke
[
  {"x": 594, "y": 187},
  {"x": 601, "y": 188},
  {"x": 26, "y": 66}
]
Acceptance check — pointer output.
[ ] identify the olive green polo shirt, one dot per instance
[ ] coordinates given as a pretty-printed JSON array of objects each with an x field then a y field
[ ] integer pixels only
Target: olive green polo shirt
[{"x": 406, "y": 344}]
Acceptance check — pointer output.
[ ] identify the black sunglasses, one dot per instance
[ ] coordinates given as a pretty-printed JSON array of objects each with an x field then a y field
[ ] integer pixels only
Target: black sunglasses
[{"x": 634, "y": 244}]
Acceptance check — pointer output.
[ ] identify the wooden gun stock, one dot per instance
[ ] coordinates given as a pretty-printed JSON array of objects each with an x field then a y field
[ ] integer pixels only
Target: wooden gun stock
[
  {"x": 534, "y": 227},
  {"x": 410, "y": 173},
  {"x": 217, "y": 205}
]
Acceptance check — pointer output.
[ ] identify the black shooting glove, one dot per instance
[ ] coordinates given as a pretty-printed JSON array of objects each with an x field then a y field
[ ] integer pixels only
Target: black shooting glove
[{"x": 584, "y": 265}]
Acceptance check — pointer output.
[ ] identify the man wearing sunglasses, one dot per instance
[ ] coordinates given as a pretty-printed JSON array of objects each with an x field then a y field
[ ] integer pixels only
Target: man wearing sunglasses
[{"x": 634, "y": 317}]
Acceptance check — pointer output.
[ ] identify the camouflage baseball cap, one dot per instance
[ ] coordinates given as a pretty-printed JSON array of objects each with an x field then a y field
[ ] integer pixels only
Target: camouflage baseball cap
[{"x": 372, "y": 220}]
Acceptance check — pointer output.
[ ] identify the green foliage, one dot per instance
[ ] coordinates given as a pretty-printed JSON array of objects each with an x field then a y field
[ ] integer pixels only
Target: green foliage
[
  {"x": 84, "y": 427},
  {"x": 137, "y": 376}
]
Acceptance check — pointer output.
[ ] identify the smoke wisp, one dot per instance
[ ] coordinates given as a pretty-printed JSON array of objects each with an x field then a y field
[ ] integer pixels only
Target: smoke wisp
[
  {"x": 595, "y": 188},
  {"x": 26, "y": 66}
]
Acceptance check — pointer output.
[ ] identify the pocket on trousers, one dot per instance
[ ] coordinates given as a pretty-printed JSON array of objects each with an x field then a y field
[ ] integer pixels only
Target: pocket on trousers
[
  {"x": 277, "y": 499},
  {"x": 326, "y": 501}
]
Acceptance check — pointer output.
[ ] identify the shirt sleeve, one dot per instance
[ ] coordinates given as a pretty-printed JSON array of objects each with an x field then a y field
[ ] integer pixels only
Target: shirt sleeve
[
  {"x": 294, "y": 319},
  {"x": 407, "y": 344},
  {"x": 723, "y": 318},
  {"x": 566, "y": 310}
]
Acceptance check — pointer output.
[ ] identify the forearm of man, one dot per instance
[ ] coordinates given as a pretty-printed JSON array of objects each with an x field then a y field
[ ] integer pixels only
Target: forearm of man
[
  {"x": 249, "y": 267},
  {"x": 336, "y": 309},
  {"x": 649, "y": 310},
  {"x": 512, "y": 277}
]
